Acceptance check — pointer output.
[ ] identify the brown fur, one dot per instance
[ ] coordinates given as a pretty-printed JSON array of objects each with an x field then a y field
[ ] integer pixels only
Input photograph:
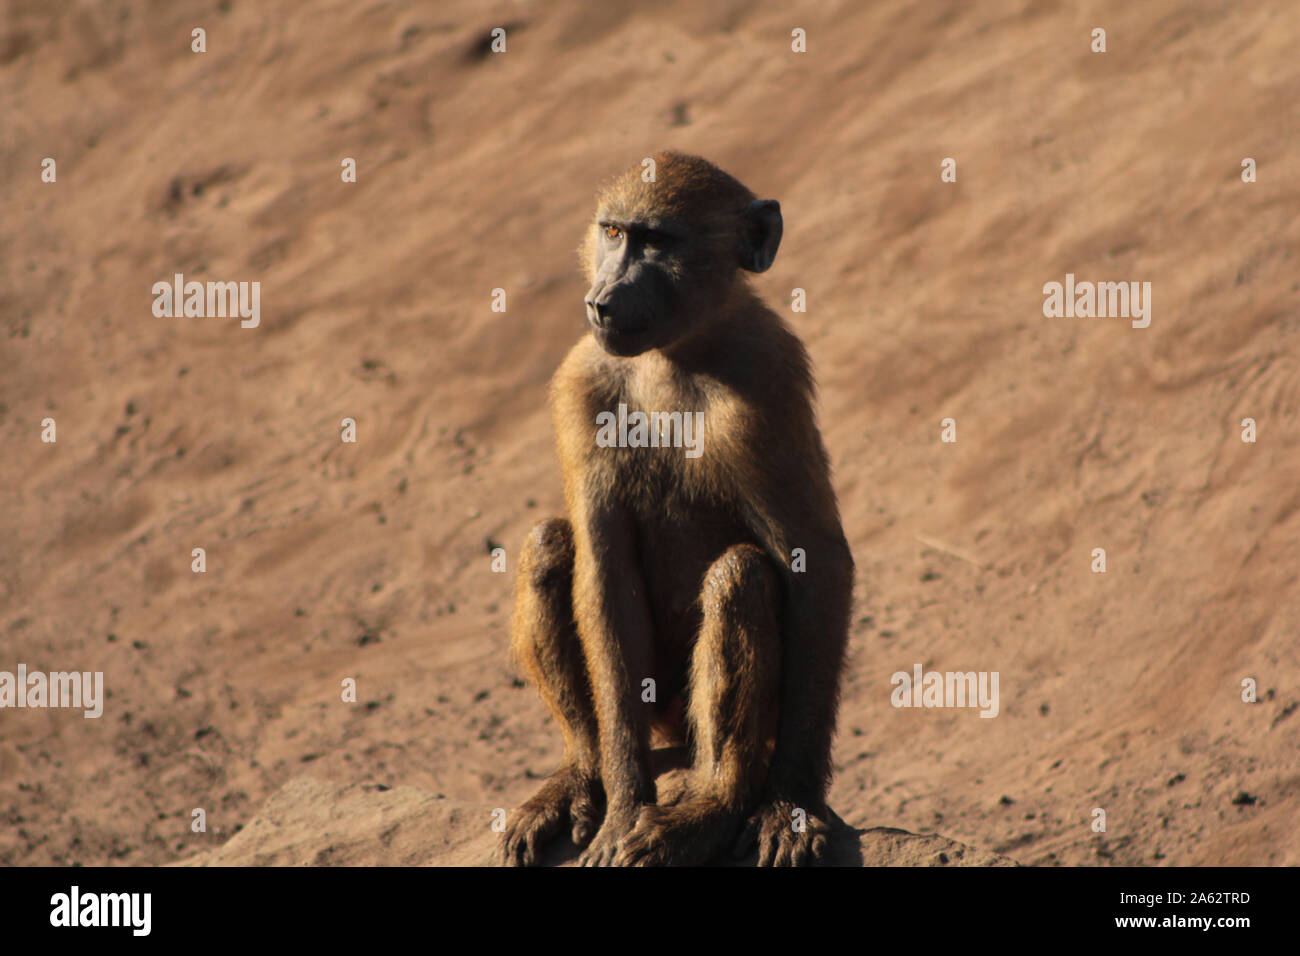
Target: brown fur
[{"x": 679, "y": 569}]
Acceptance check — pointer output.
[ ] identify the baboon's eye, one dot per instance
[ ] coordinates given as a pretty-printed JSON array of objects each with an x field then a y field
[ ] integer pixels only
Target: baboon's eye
[{"x": 613, "y": 232}]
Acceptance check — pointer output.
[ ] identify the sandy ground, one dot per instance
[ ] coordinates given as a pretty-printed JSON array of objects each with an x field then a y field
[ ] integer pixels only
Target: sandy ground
[
  {"x": 476, "y": 171},
  {"x": 309, "y": 822}
]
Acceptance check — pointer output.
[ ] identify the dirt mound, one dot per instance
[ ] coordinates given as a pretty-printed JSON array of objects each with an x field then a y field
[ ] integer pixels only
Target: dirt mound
[{"x": 314, "y": 823}]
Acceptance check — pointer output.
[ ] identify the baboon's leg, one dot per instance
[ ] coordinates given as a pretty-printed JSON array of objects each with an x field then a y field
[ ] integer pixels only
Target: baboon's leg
[
  {"x": 544, "y": 640},
  {"x": 731, "y": 716}
]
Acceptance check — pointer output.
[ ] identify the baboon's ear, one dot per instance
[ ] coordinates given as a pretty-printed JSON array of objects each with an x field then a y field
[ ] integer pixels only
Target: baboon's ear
[{"x": 760, "y": 234}]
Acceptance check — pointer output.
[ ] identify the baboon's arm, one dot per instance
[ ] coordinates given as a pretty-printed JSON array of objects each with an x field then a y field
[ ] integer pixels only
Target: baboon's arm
[
  {"x": 815, "y": 632},
  {"x": 615, "y": 627},
  {"x": 801, "y": 513}
]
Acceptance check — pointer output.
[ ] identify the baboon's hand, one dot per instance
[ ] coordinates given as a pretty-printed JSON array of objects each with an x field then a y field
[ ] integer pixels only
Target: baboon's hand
[
  {"x": 608, "y": 839},
  {"x": 568, "y": 796},
  {"x": 520, "y": 845},
  {"x": 648, "y": 843},
  {"x": 785, "y": 837},
  {"x": 527, "y": 830}
]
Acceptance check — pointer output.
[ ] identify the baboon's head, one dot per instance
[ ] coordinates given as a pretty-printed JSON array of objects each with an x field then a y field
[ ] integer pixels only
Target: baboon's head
[{"x": 662, "y": 256}]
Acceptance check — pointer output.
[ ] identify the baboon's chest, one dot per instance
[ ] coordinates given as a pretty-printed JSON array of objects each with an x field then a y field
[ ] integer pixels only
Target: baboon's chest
[
  {"x": 673, "y": 444},
  {"x": 669, "y": 436}
]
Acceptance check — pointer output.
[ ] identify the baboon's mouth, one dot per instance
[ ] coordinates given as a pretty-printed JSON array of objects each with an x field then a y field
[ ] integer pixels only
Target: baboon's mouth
[{"x": 623, "y": 342}]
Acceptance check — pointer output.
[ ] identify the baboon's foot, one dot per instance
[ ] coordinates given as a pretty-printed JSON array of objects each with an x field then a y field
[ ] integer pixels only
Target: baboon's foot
[
  {"x": 787, "y": 834},
  {"x": 604, "y": 848},
  {"x": 567, "y": 797},
  {"x": 691, "y": 832}
]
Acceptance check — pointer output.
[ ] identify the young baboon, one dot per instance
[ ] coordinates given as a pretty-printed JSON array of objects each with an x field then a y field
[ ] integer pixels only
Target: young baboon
[{"x": 679, "y": 578}]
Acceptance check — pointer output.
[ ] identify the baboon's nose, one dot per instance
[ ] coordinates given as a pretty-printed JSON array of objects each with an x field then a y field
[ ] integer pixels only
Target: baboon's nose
[{"x": 597, "y": 312}]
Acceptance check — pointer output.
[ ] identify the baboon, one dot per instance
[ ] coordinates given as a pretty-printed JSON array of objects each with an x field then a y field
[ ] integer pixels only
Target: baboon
[{"x": 674, "y": 597}]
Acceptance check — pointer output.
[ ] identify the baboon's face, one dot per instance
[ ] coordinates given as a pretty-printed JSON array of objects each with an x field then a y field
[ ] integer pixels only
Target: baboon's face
[
  {"x": 642, "y": 292},
  {"x": 662, "y": 256}
]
